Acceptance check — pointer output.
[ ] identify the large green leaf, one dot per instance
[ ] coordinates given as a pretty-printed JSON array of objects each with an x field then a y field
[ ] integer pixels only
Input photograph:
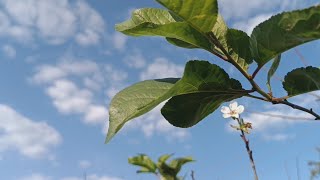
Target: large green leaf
[
  {"x": 235, "y": 42},
  {"x": 158, "y": 22},
  {"x": 302, "y": 80},
  {"x": 273, "y": 69},
  {"x": 200, "y": 14},
  {"x": 137, "y": 100},
  {"x": 284, "y": 31},
  {"x": 202, "y": 89},
  {"x": 146, "y": 164}
]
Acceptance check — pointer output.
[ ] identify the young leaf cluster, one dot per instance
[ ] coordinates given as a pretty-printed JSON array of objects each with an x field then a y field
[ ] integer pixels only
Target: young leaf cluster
[{"x": 166, "y": 171}]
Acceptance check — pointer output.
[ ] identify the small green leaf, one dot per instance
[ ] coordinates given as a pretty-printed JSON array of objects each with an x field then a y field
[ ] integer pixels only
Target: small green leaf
[
  {"x": 302, "y": 80},
  {"x": 146, "y": 164},
  {"x": 273, "y": 69},
  {"x": 239, "y": 43},
  {"x": 158, "y": 22},
  {"x": 164, "y": 158},
  {"x": 283, "y": 32},
  {"x": 235, "y": 42},
  {"x": 137, "y": 100},
  {"x": 202, "y": 89},
  {"x": 200, "y": 14}
]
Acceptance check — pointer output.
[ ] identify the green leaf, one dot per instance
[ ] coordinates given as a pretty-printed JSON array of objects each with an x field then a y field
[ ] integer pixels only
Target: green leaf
[
  {"x": 239, "y": 43},
  {"x": 137, "y": 100},
  {"x": 164, "y": 158},
  {"x": 158, "y": 22},
  {"x": 283, "y": 32},
  {"x": 302, "y": 80},
  {"x": 235, "y": 42},
  {"x": 180, "y": 43},
  {"x": 202, "y": 89},
  {"x": 200, "y": 14},
  {"x": 273, "y": 69},
  {"x": 146, "y": 164},
  {"x": 177, "y": 163}
]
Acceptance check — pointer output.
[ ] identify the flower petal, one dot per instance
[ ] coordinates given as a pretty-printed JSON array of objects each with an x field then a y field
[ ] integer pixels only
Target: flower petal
[
  {"x": 225, "y": 110},
  {"x": 227, "y": 115},
  {"x": 233, "y": 106},
  {"x": 240, "y": 109}
]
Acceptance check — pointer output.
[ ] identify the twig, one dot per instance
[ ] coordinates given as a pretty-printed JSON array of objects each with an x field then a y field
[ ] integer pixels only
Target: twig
[
  {"x": 249, "y": 151},
  {"x": 301, "y": 57},
  {"x": 256, "y": 97},
  {"x": 192, "y": 175},
  {"x": 294, "y": 106},
  {"x": 279, "y": 115}
]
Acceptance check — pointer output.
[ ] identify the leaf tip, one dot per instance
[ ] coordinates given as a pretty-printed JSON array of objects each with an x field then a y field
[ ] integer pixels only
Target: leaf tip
[{"x": 110, "y": 135}]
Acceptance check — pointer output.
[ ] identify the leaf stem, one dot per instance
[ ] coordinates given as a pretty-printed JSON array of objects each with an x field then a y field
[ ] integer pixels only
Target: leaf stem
[
  {"x": 256, "y": 71},
  {"x": 249, "y": 151}
]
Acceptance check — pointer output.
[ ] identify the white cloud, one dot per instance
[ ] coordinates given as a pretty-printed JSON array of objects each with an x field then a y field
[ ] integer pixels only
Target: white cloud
[
  {"x": 9, "y": 51},
  {"x": 55, "y": 20},
  {"x": 84, "y": 164},
  {"x": 88, "y": 177},
  {"x": 241, "y": 9},
  {"x": 249, "y": 24},
  {"x": 93, "y": 177},
  {"x": 253, "y": 12},
  {"x": 91, "y": 24},
  {"x": 36, "y": 177},
  {"x": 161, "y": 68},
  {"x": 7, "y": 29},
  {"x": 75, "y": 85},
  {"x": 278, "y": 137},
  {"x": 119, "y": 41},
  {"x": 49, "y": 73},
  {"x": 96, "y": 113},
  {"x": 115, "y": 75},
  {"x": 31, "y": 18},
  {"x": 24, "y": 135},
  {"x": 135, "y": 60},
  {"x": 68, "y": 98}
]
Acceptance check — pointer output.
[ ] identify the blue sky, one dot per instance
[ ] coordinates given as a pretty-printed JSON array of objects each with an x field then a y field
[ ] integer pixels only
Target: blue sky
[{"x": 61, "y": 62}]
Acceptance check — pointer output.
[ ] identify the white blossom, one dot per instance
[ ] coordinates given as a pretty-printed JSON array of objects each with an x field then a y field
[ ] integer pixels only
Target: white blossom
[{"x": 232, "y": 111}]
